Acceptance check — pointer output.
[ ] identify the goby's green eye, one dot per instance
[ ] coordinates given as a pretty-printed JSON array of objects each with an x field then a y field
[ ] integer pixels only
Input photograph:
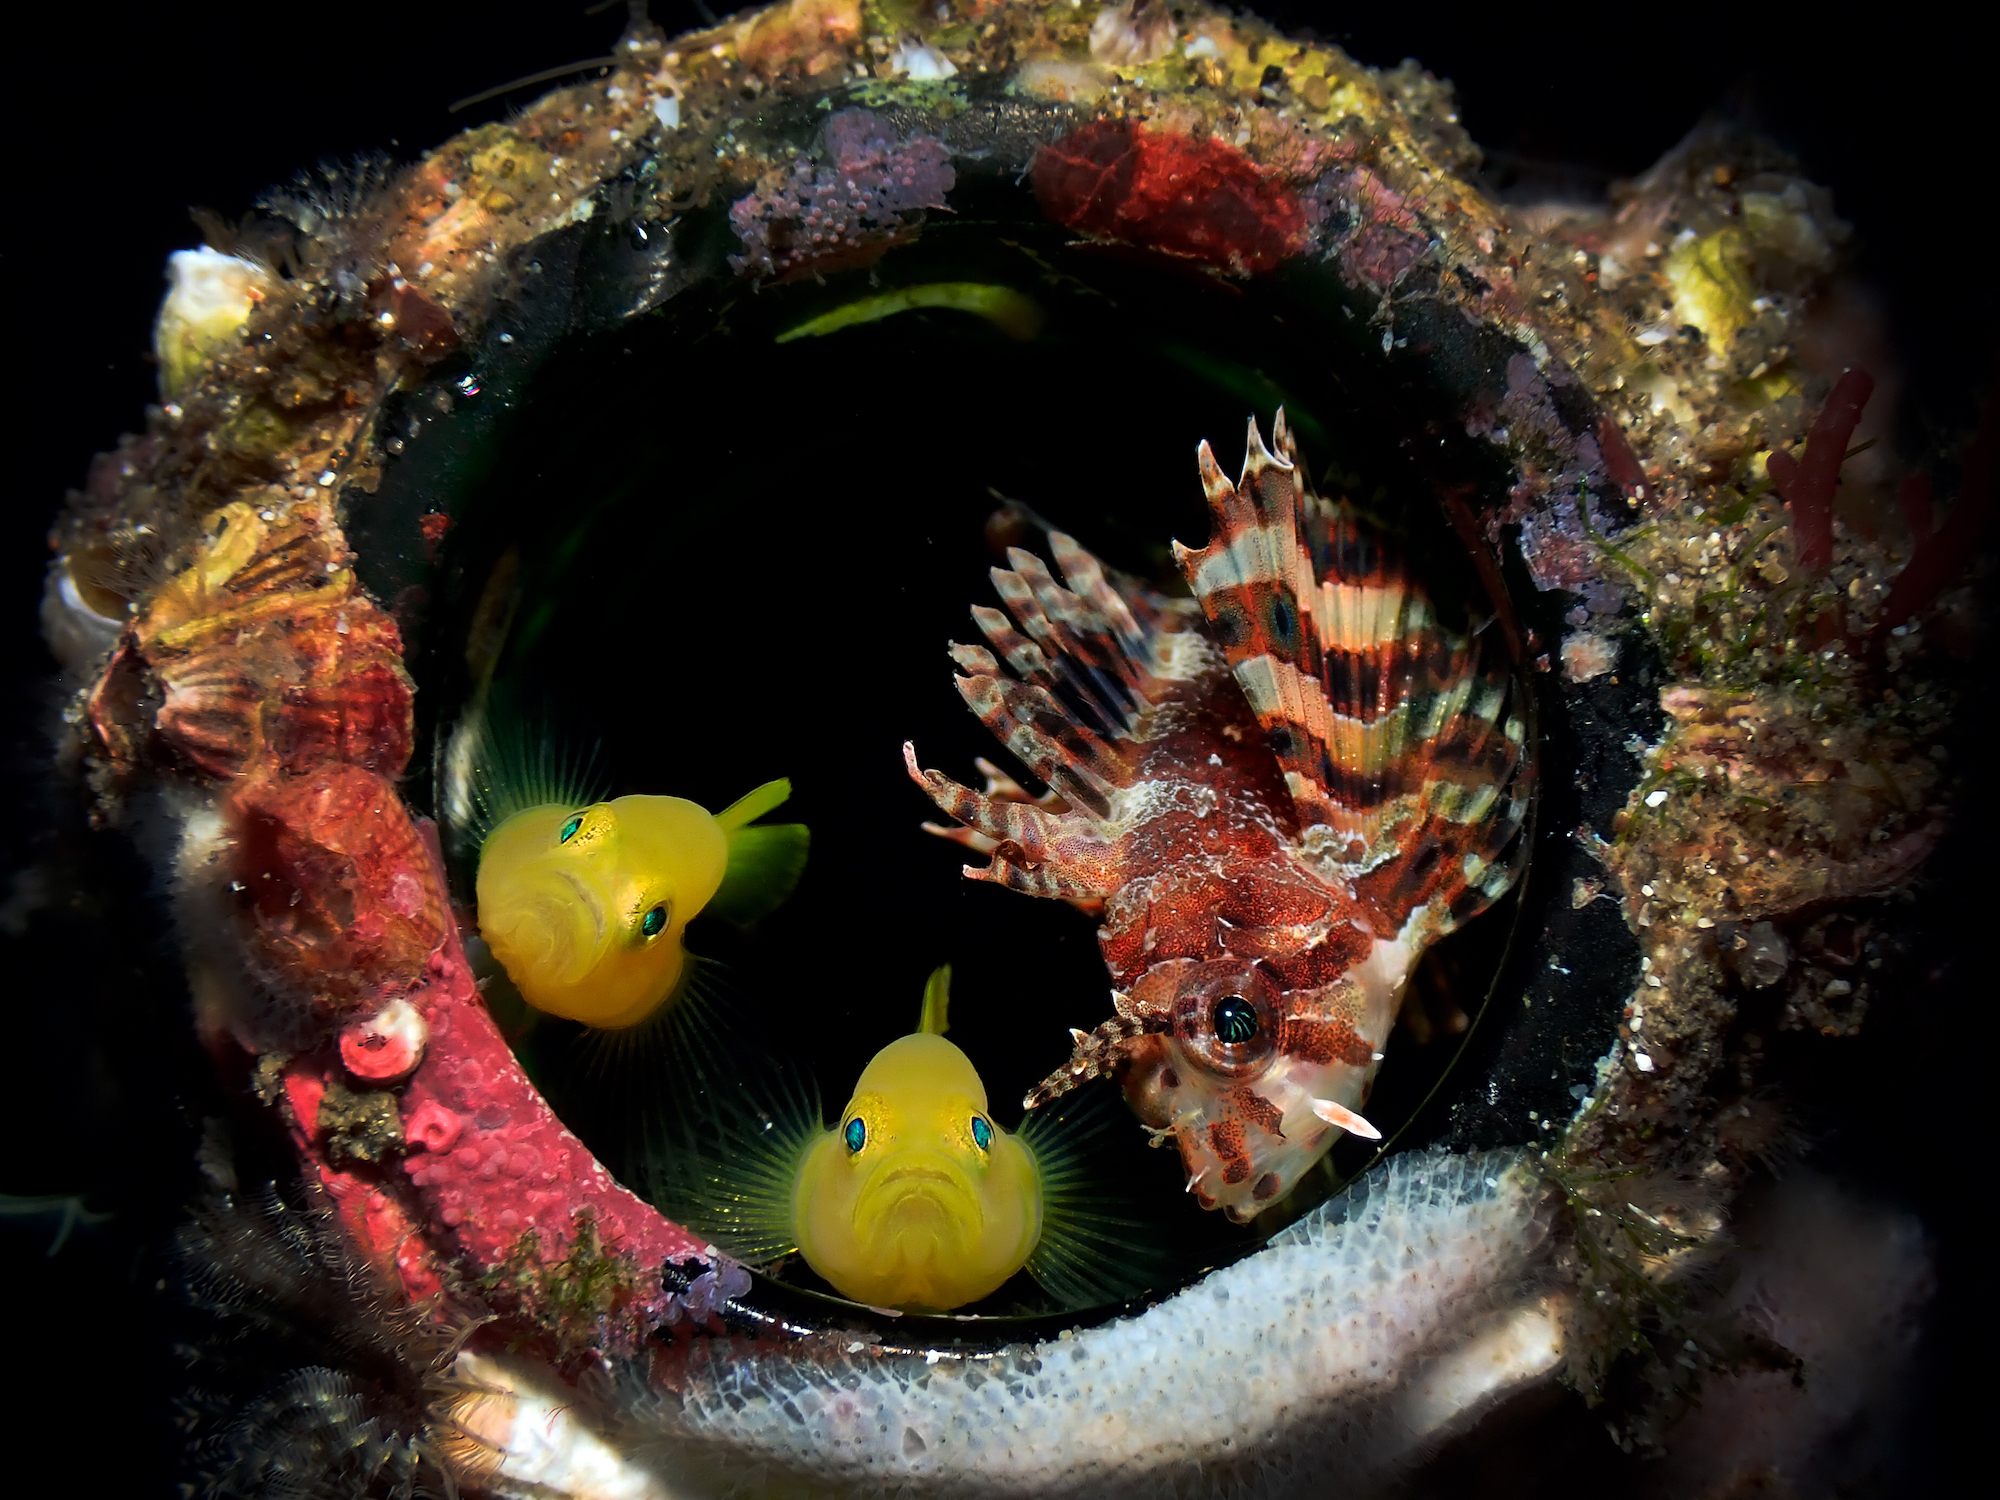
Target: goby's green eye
[
  {"x": 570, "y": 827},
  {"x": 856, "y": 1135},
  {"x": 654, "y": 922},
  {"x": 982, "y": 1133}
]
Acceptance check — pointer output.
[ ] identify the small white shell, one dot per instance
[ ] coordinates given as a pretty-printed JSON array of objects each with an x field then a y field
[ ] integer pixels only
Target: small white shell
[
  {"x": 210, "y": 296},
  {"x": 921, "y": 63}
]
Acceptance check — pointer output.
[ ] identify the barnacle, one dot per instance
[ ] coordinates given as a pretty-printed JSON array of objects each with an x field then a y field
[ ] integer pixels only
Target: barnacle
[{"x": 1713, "y": 690}]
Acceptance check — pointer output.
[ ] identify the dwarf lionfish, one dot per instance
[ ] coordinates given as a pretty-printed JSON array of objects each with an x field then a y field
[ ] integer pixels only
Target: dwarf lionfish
[{"x": 1277, "y": 795}]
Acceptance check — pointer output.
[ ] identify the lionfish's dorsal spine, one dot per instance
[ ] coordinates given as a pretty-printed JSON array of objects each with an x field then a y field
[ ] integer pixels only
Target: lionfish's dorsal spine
[{"x": 1404, "y": 745}]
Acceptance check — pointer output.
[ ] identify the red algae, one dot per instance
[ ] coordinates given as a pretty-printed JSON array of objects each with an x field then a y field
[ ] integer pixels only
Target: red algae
[
  {"x": 1621, "y": 464},
  {"x": 1807, "y": 484},
  {"x": 281, "y": 686},
  {"x": 1941, "y": 553},
  {"x": 1173, "y": 192}
]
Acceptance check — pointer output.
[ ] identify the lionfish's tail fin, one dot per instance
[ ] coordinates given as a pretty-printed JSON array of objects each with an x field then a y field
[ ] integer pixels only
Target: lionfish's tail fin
[
  {"x": 1033, "y": 850},
  {"x": 1403, "y": 745},
  {"x": 1067, "y": 672}
]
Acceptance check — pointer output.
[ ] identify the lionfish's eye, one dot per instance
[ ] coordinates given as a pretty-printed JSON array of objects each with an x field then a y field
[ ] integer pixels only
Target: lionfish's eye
[
  {"x": 982, "y": 1133},
  {"x": 856, "y": 1135},
  {"x": 654, "y": 922},
  {"x": 569, "y": 828},
  {"x": 1234, "y": 1020}
]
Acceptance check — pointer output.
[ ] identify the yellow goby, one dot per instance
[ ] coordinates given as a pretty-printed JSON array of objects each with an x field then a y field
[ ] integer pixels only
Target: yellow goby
[
  {"x": 917, "y": 1199},
  {"x": 586, "y": 907}
]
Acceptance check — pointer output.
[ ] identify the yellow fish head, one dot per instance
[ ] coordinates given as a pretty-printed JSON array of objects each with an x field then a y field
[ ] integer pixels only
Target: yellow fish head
[
  {"x": 917, "y": 1199},
  {"x": 585, "y": 907}
]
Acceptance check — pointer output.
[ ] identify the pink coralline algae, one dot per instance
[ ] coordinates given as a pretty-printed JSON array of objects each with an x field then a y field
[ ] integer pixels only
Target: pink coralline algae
[
  {"x": 485, "y": 1166},
  {"x": 1384, "y": 242},
  {"x": 705, "y": 1296},
  {"x": 494, "y": 1164},
  {"x": 864, "y": 190},
  {"x": 1560, "y": 535},
  {"x": 1558, "y": 545}
]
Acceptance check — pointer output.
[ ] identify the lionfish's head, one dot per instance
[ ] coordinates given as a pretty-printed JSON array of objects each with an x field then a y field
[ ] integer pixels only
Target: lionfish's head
[{"x": 1251, "y": 1081}]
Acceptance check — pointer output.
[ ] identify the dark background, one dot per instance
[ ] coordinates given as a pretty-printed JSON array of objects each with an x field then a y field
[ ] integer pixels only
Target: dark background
[{"x": 119, "y": 119}]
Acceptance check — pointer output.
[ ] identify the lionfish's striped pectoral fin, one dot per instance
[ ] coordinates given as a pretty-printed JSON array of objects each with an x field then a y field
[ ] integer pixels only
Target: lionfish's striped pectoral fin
[
  {"x": 1031, "y": 849},
  {"x": 1000, "y": 789},
  {"x": 1403, "y": 745},
  {"x": 1066, "y": 675}
]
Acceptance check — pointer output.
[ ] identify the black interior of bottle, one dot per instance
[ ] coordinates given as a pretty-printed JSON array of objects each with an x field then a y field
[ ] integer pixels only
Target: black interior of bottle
[{"x": 741, "y": 559}]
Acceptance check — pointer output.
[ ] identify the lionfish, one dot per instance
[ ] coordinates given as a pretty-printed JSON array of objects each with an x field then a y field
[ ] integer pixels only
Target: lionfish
[{"x": 1276, "y": 794}]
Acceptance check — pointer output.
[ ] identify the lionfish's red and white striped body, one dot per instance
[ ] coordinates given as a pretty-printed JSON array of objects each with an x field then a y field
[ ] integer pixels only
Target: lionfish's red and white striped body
[{"x": 1277, "y": 793}]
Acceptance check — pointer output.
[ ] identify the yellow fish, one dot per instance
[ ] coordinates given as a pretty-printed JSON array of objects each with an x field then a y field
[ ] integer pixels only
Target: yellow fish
[
  {"x": 916, "y": 1199},
  {"x": 585, "y": 907}
]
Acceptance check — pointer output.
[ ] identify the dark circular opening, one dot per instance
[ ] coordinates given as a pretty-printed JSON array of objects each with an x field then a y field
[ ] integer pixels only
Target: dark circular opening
[{"x": 714, "y": 551}]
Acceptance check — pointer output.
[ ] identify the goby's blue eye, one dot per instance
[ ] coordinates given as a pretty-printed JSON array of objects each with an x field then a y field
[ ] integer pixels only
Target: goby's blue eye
[
  {"x": 856, "y": 1134},
  {"x": 569, "y": 829},
  {"x": 654, "y": 922},
  {"x": 982, "y": 1133}
]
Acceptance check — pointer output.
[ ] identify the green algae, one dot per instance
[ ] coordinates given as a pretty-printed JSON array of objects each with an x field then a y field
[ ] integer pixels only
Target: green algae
[{"x": 1014, "y": 313}]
